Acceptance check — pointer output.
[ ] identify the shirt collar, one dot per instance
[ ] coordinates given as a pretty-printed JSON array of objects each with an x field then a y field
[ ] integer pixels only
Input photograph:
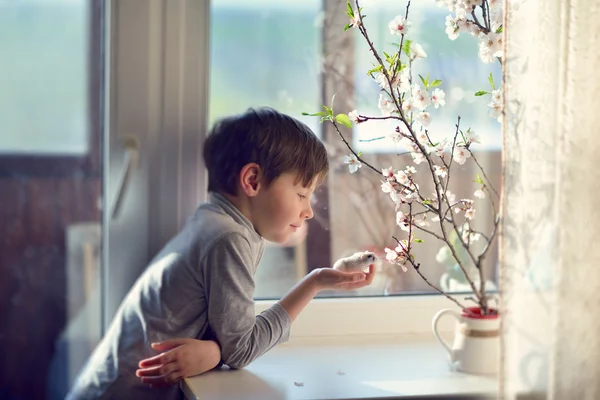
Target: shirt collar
[{"x": 230, "y": 209}]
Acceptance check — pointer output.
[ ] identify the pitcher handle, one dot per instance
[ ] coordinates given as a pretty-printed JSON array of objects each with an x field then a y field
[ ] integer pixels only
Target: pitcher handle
[{"x": 434, "y": 326}]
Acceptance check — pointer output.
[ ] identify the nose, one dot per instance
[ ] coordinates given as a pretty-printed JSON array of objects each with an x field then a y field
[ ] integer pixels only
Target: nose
[{"x": 307, "y": 213}]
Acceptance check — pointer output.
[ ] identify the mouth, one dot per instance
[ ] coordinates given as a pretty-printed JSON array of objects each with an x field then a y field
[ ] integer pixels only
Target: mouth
[{"x": 294, "y": 227}]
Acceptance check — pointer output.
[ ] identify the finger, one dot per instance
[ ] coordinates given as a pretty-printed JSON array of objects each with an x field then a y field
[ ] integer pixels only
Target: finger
[
  {"x": 156, "y": 370},
  {"x": 169, "y": 344},
  {"x": 370, "y": 274},
  {"x": 161, "y": 359},
  {"x": 163, "y": 380},
  {"x": 355, "y": 277},
  {"x": 350, "y": 279}
]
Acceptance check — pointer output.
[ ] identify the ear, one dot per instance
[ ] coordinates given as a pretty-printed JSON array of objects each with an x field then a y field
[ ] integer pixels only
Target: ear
[{"x": 250, "y": 179}]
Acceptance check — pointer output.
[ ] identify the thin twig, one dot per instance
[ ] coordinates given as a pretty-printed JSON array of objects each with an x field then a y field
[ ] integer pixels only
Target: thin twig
[
  {"x": 484, "y": 174},
  {"x": 388, "y": 117},
  {"x": 430, "y": 232}
]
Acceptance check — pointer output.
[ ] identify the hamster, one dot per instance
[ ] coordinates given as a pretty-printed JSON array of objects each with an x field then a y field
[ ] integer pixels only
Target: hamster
[{"x": 357, "y": 262}]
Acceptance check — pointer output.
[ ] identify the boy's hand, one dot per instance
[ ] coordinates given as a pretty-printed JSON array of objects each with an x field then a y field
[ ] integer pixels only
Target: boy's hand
[
  {"x": 180, "y": 358},
  {"x": 333, "y": 279}
]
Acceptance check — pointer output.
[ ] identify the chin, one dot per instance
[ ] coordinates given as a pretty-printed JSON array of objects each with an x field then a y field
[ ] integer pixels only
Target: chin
[{"x": 279, "y": 239}]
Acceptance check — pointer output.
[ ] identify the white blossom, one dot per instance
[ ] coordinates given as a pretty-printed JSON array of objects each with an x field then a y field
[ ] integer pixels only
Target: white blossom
[
  {"x": 388, "y": 172},
  {"x": 471, "y": 137},
  {"x": 387, "y": 186},
  {"x": 497, "y": 96},
  {"x": 402, "y": 221},
  {"x": 353, "y": 163},
  {"x": 397, "y": 256},
  {"x": 490, "y": 47},
  {"x": 418, "y": 157},
  {"x": 479, "y": 193},
  {"x": 440, "y": 171},
  {"x": 422, "y": 137},
  {"x": 496, "y": 110},
  {"x": 408, "y": 106},
  {"x": 402, "y": 177},
  {"x": 420, "y": 97},
  {"x": 355, "y": 20},
  {"x": 417, "y": 52},
  {"x": 400, "y": 82},
  {"x": 460, "y": 154},
  {"x": 474, "y": 236},
  {"x": 470, "y": 213},
  {"x": 422, "y": 221},
  {"x": 424, "y": 118},
  {"x": 410, "y": 169},
  {"x": 475, "y": 30},
  {"x": 353, "y": 116},
  {"x": 452, "y": 28},
  {"x": 440, "y": 148},
  {"x": 399, "y": 25},
  {"x": 390, "y": 254},
  {"x": 438, "y": 98},
  {"x": 408, "y": 144},
  {"x": 386, "y": 106},
  {"x": 396, "y": 137}
]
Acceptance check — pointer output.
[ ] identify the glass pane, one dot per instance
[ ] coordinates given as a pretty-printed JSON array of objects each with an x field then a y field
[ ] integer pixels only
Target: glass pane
[
  {"x": 43, "y": 76},
  {"x": 50, "y": 218},
  {"x": 282, "y": 56}
]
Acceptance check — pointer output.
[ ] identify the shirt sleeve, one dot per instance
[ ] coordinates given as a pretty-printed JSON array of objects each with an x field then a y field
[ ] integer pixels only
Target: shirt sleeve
[{"x": 229, "y": 283}]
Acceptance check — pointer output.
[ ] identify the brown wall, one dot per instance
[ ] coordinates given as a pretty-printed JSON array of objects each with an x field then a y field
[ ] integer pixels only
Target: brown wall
[{"x": 34, "y": 212}]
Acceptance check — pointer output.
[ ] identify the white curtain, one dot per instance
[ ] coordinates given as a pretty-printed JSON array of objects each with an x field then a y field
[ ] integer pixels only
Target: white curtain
[{"x": 550, "y": 246}]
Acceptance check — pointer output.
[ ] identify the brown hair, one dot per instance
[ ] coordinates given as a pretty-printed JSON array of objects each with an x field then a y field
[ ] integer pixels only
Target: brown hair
[{"x": 276, "y": 142}]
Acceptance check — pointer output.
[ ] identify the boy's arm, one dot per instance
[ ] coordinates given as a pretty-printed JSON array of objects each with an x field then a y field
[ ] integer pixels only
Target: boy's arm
[{"x": 229, "y": 283}]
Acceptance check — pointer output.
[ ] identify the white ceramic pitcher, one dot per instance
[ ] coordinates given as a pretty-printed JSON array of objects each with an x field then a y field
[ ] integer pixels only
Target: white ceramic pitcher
[{"x": 476, "y": 341}]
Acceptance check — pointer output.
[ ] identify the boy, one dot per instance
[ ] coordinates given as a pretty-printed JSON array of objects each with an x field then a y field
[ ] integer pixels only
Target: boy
[{"x": 263, "y": 167}]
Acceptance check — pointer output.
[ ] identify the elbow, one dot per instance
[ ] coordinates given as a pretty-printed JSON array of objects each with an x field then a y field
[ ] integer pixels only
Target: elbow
[
  {"x": 239, "y": 358},
  {"x": 236, "y": 362}
]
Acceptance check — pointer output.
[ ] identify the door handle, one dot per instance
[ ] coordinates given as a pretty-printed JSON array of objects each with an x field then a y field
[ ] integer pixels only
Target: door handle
[{"x": 130, "y": 162}]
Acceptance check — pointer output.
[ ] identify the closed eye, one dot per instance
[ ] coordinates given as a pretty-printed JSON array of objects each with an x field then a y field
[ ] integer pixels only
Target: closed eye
[{"x": 301, "y": 196}]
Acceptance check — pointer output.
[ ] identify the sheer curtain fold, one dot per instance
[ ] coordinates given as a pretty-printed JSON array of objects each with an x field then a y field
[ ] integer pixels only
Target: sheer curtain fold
[{"x": 550, "y": 258}]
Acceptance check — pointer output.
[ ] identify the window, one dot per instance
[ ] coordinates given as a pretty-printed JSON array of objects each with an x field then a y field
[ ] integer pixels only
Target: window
[
  {"x": 294, "y": 57},
  {"x": 45, "y": 69}
]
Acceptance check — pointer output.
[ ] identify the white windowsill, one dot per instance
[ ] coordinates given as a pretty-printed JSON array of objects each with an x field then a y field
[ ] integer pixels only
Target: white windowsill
[{"x": 384, "y": 367}]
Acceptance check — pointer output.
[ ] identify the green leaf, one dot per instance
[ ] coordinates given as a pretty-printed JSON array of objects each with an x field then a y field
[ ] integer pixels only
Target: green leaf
[
  {"x": 350, "y": 11},
  {"x": 406, "y": 47},
  {"x": 436, "y": 83},
  {"x": 500, "y": 29},
  {"x": 346, "y": 27},
  {"x": 418, "y": 240},
  {"x": 426, "y": 202},
  {"x": 359, "y": 154},
  {"x": 491, "y": 79},
  {"x": 319, "y": 114},
  {"x": 481, "y": 93},
  {"x": 378, "y": 68},
  {"x": 478, "y": 180},
  {"x": 423, "y": 80},
  {"x": 332, "y": 100},
  {"x": 344, "y": 120}
]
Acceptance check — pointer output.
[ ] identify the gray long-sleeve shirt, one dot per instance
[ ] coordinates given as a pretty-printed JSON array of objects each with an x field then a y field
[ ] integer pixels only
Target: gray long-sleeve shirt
[{"x": 202, "y": 282}]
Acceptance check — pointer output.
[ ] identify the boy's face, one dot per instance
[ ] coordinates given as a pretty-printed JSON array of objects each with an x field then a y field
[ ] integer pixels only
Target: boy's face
[{"x": 279, "y": 209}]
